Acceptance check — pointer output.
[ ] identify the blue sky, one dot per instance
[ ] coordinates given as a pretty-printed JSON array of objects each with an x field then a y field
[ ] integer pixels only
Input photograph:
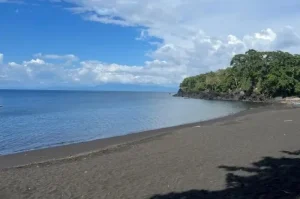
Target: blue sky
[
  {"x": 142, "y": 44},
  {"x": 47, "y": 27}
]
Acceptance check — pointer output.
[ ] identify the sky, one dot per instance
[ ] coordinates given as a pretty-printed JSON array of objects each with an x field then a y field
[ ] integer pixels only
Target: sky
[{"x": 134, "y": 44}]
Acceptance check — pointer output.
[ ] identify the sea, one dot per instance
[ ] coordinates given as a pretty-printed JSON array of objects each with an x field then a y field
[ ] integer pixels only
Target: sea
[{"x": 35, "y": 119}]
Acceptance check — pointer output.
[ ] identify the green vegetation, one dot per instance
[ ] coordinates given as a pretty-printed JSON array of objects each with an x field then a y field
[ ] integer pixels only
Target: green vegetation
[{"x": 263, "y": 73}]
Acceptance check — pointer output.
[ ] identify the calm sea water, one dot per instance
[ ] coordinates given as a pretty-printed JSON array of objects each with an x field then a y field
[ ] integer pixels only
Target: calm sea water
[{"x": 37, "y": 119}]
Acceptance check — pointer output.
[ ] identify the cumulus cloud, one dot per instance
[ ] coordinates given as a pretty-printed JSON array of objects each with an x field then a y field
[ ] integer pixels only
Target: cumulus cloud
[
  {"x": 195, "y": 36},
  {"x": 194, "y": 33},
  {"x": 32, "y": 73},
  {"x": 1, "y": 58},
  {"x": 172, "y": 19},
  {"x": 34, "y": 62},
  {"x": 106, "y": 20},
  {"x": 69, "y": 58},
  {"x": 154, "y": 72},
  {"x": 11, "y": 1},
  {"x": 89, "y": 73},
  {"x": 287, "y": 38},
  {"x": 169, "y": 65}
]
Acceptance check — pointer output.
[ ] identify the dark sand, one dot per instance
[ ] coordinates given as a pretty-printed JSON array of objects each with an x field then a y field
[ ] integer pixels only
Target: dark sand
[{"x": 253, "y": 154}]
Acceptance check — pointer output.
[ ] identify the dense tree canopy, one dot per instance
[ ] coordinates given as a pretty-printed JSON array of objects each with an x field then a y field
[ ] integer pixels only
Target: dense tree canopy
[{"x": 267, "y": 73}]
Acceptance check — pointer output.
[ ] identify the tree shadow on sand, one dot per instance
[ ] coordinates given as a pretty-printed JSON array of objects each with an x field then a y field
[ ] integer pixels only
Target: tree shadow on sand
[{"x": 268, "y": 178}]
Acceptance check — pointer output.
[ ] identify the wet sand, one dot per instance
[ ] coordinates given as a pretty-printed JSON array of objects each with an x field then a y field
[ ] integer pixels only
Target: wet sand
[{"x": 155, "y": 164}]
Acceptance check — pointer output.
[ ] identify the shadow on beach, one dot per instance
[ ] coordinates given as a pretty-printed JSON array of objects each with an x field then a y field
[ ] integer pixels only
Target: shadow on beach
[{"x": 266, "y": 179}]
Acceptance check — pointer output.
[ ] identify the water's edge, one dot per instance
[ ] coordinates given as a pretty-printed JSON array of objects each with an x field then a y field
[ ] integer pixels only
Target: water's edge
[
  {"x": 61, "y": 144},
  {"x": 58, "y": 118},
  {"x": 109, "y": 144}
]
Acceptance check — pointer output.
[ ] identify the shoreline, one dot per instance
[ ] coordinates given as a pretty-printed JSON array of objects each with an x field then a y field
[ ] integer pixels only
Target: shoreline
[
  {"x": 251, "y": 154},
  {"x": 107, "y": 145},
  {"x": 235, "y": 96}
]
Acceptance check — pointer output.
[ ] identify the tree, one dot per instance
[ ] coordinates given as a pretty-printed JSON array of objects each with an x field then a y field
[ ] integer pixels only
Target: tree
[{"x": 272, "y": 74}]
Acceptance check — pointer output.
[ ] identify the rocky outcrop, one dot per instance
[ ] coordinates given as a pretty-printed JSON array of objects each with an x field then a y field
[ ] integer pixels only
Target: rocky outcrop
[{"x": 231, "y": 96}]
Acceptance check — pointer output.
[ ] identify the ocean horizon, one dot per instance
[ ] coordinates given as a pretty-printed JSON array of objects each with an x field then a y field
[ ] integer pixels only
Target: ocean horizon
[{"x": 35, "y": 119}]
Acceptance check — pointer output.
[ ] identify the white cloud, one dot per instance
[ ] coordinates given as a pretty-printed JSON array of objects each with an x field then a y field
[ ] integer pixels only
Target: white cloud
[
  {"x": 11, "y": 1},
  {"x": 1, "y": 58},
  {"x": 194, "y": 33},
  {"x": 287, "y": 39},
  {"x": 154, "y": 72},
  {"x": 169, "y": 65},
  {"x": 34, "y": 73},
  {"x": 196, "y": 36},
  {"x": 67, "y": 58},
  {"x": 106, "y": 20},
  {"x": 181, "y": 18},
  {"x": 34, "y": 62}
]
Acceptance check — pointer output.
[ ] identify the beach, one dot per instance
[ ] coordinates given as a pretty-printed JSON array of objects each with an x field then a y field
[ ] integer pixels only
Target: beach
[{"x": 251, "y": 154}]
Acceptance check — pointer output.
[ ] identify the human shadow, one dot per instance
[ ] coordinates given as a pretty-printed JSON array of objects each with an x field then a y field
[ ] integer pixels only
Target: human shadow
[{"x": 267, "y": 179}]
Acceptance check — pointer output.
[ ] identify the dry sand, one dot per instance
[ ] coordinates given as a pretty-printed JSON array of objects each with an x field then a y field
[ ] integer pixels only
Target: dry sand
[{"x": 206, "y": 160}]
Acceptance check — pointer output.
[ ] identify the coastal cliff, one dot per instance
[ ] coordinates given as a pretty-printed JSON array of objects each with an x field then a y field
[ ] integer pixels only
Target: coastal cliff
[{"x": 253, "y": 76}]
